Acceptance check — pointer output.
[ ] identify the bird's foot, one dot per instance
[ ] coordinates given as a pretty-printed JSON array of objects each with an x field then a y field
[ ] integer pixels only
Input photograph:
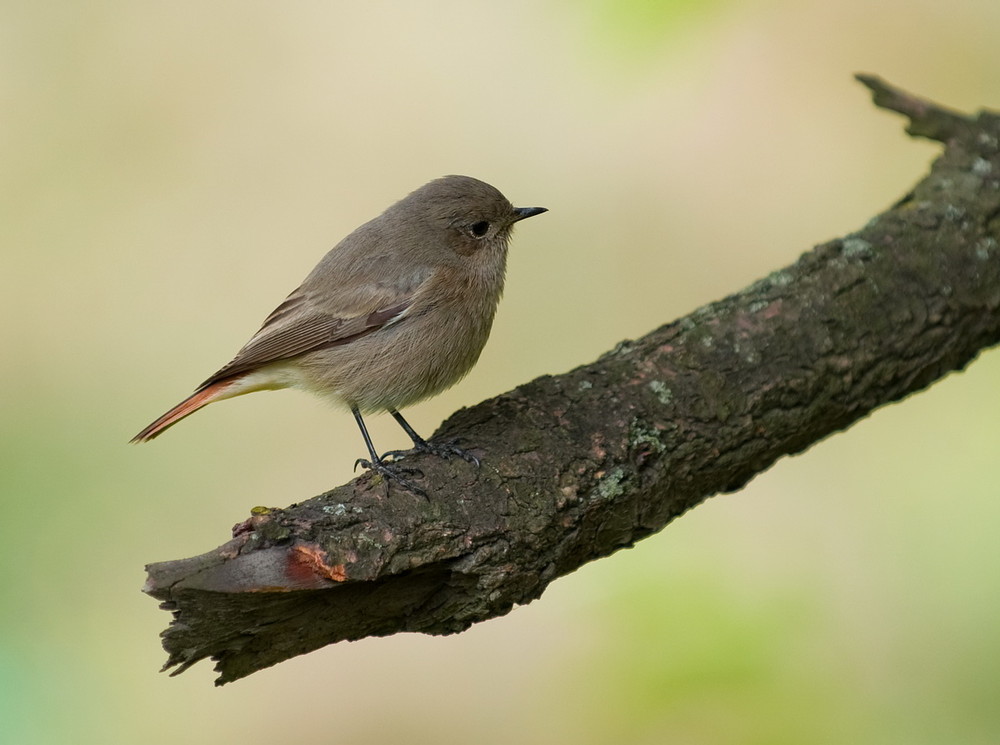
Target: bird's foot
[
  {"x": 445, "y": 450},
  {"x": 393, "y": 473}
]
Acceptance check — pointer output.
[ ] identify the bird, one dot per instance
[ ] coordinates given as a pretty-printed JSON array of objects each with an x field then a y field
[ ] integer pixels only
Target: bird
[{"x": 398, "y": 311}]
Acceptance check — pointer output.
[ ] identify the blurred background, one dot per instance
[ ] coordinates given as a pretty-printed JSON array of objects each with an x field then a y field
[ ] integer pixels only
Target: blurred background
[{"x": 170, "y": 171}]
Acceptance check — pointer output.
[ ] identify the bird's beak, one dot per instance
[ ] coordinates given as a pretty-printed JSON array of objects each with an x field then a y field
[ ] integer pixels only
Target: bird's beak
[{"x": 523, "y": 212}]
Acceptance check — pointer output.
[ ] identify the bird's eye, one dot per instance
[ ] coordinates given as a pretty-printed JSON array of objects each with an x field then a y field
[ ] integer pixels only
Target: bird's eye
[{"x": 479, "y": 229}]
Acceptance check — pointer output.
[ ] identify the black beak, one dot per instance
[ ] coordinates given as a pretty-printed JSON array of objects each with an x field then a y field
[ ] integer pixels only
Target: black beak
[{"x": 523, "y": 212}]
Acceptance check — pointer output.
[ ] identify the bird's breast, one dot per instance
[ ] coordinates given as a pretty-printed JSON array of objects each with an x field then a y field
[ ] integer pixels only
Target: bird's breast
[{"x": 430, "y": 349}]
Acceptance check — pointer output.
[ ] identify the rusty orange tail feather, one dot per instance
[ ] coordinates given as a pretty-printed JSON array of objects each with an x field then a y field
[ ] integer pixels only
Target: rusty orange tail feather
[{"x": 188, "y": 406}]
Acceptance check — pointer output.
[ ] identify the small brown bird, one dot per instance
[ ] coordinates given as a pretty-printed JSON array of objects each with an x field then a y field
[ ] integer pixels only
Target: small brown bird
[{"x": 398, "y": 311}]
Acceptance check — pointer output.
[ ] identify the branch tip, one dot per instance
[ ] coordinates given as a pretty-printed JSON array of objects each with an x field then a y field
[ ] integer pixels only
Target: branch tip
[{"x": 927, "y": 119}]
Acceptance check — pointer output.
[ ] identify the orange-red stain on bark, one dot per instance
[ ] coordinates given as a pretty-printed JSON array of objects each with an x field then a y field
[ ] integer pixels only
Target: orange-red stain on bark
[{"x": 308, "y": 562}]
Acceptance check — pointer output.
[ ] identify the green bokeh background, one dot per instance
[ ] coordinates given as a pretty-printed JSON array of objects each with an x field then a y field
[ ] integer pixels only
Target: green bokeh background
[{"x": 171, "y": 170}]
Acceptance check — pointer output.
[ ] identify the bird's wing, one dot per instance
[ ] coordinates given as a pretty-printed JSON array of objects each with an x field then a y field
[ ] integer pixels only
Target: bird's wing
[{"x": 296, "y": 327}]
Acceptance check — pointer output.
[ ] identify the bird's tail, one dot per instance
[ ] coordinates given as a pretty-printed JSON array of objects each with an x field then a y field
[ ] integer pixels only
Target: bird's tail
[{"x": 191, "y": 404}]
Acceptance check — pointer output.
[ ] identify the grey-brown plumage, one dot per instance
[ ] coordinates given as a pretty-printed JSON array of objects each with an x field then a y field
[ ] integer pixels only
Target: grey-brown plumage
[{"x": 398, "y": 311}]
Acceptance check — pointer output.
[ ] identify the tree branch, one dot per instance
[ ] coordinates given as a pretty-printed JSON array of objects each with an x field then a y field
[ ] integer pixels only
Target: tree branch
[{"x": 577, "y": 466}]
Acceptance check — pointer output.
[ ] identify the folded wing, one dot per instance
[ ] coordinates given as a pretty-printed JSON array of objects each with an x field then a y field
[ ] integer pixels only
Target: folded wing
[{"x": 293, "y": 329}]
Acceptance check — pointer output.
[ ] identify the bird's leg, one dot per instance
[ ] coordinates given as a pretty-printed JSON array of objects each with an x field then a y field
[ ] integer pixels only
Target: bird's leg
[
  {"x": 390, "y": 472},
  {"x": 443, "y": 450}
]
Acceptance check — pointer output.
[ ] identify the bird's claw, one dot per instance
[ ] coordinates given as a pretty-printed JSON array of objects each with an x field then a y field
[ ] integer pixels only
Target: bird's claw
[
  {"x": 444, "y": 450},
  {"x": 392, "y": 473}
]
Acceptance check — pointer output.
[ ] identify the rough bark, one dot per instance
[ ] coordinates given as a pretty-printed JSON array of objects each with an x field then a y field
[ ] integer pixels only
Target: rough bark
[{"x": 577, "y": 466}]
